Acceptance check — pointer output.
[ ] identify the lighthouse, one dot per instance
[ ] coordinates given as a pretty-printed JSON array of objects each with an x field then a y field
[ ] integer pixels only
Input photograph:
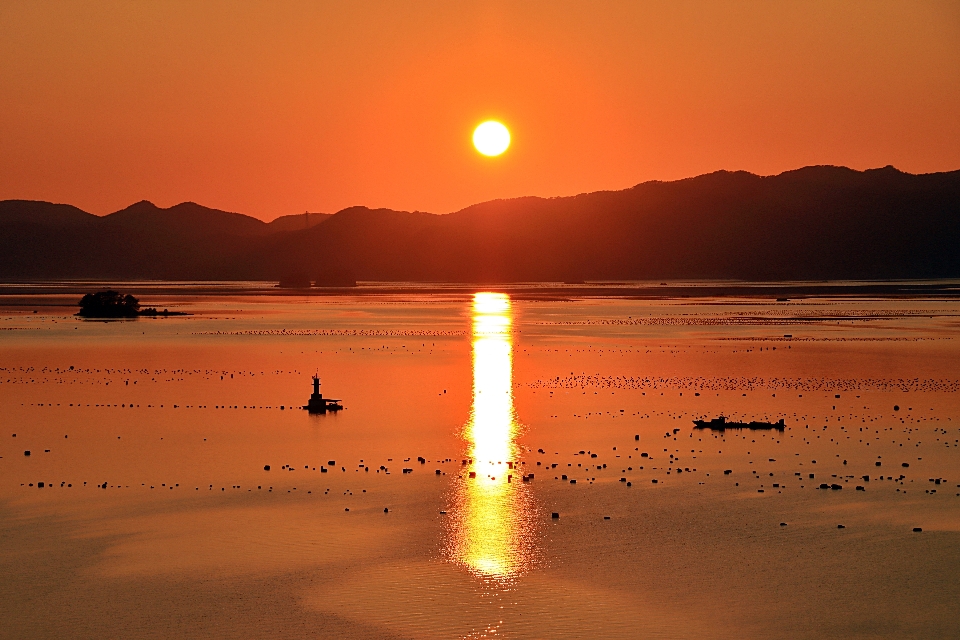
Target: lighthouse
[{"x": 319, "y": 404}]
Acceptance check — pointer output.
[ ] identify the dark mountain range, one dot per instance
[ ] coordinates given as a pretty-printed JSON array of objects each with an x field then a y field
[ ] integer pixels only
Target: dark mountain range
[{"x": 812, "y": 223}]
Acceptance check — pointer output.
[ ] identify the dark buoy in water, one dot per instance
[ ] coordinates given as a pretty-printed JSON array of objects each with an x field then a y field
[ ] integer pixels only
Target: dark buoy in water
[
  {"x": 317, "y": 403},
  {"x": 554, "y": 516},
  {"x": 266, "y": 467},
  {"x": 26, "y": 453},
  {"x": 915, "y": 529}
]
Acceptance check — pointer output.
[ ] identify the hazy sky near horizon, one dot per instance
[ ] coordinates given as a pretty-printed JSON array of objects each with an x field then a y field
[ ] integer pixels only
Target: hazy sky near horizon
[{"x": 271, "y": 108}]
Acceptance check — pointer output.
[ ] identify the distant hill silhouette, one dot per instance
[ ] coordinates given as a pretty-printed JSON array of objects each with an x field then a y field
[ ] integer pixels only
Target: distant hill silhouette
[
  {"x": 298, "y": 221},
  {"x": 812, "y": 223}
]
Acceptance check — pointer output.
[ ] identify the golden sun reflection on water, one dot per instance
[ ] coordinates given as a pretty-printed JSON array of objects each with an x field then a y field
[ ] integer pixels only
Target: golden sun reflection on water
[{"x": 492, "y": 534}]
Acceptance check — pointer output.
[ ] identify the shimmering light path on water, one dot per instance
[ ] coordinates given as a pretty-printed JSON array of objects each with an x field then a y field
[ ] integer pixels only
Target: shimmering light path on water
[{"x": 492, "y": 530}]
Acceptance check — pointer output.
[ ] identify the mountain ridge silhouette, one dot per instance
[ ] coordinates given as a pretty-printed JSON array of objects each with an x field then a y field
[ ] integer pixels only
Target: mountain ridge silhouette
[{"x": 817, "y": 222}]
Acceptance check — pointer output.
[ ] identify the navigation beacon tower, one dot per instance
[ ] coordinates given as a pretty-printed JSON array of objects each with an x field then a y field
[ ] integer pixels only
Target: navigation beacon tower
[{"x": 319, "y": 404}]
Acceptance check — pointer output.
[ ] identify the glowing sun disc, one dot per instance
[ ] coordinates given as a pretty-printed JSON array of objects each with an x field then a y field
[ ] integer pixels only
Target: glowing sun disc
[{"x": 491, "y": 138}]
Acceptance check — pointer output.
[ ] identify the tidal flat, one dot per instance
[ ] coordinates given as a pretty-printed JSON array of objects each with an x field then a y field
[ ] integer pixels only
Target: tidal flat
[{"x": 506, "y": 466}]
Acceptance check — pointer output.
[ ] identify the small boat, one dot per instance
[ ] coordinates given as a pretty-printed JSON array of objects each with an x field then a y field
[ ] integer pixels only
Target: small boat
[{"x": 721, "y": 424}]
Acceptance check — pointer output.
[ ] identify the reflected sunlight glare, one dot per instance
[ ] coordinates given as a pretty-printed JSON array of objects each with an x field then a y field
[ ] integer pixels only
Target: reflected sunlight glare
[{"x": 492, "y": 534}]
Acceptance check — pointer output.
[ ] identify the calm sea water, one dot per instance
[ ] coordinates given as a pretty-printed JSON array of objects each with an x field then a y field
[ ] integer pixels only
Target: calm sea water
[{"x": 425, "y": 508}]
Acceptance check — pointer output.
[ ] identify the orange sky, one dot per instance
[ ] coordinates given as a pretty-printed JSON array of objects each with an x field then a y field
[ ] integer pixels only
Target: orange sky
[{"x": 280, "y": 107}]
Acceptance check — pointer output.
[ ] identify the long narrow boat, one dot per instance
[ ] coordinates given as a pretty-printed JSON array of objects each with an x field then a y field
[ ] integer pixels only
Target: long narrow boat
[{"x": 721, "y": 424}]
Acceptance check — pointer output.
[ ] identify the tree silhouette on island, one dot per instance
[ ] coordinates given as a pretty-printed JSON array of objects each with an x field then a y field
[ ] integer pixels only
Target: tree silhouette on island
[{"x": 113, "y": 304}]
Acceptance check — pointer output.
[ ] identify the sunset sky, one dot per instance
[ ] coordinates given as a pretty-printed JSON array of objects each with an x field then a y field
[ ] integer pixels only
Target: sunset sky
[{"x": 280, "y": 107}]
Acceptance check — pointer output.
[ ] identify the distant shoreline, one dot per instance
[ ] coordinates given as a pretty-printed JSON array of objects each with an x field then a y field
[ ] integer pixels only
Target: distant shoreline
[{"x": 525, "y": 290}]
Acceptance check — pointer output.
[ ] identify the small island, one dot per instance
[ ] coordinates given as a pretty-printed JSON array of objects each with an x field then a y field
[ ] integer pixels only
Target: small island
[{"x": 113, "y": 304}]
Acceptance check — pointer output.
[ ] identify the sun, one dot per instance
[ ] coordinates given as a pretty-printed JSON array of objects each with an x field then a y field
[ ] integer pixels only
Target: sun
[{"x": 491, "y": 138}]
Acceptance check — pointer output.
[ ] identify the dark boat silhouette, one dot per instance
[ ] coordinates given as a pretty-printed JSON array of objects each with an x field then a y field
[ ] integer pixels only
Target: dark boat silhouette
[{"x": 721, "y": 424}]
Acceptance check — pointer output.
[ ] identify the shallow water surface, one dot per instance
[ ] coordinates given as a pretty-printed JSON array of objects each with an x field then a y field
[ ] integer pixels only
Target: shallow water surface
[{"x": 425, "y": 508}]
